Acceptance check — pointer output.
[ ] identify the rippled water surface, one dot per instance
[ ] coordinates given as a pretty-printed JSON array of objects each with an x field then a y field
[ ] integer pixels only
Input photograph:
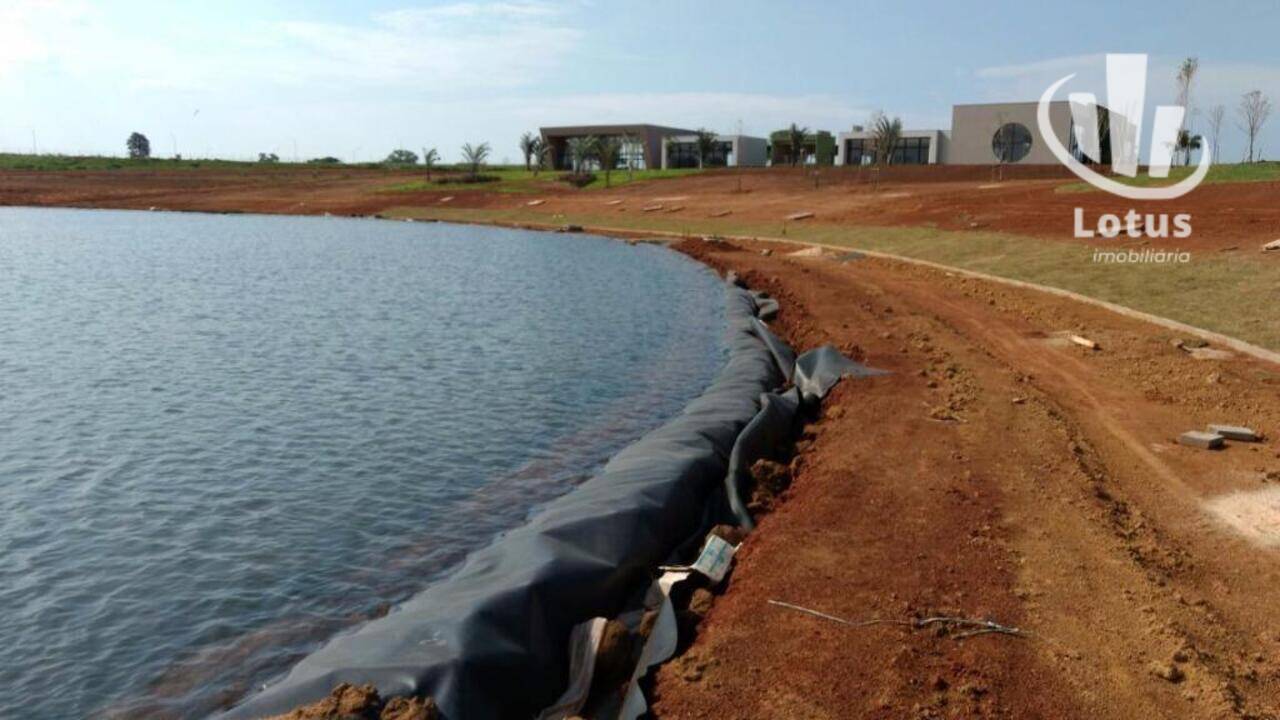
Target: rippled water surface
[{"x": 224, "y": 438}]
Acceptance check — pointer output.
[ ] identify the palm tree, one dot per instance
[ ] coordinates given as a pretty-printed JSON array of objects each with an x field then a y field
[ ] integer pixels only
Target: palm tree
[
  {"x": 529, "y": 146},
  {"x": 536, "y": 151},
  {"x": 429, "y": 158},
  {"x": 796, "y": 135},
  {"x": 706, "y": 144},
  {"x": 607, "y": 150},
  {"x": 580, "y": 150},
  {"x": 475, "y": 156},
  {"x": 886, "y": 132},
  {"x": 1188, "y": 143}
]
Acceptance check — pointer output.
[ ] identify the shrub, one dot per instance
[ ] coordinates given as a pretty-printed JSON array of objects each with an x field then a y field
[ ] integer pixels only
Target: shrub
[
  {"x": 467, "y": 179},
  {"x": 578, "y": 180}
]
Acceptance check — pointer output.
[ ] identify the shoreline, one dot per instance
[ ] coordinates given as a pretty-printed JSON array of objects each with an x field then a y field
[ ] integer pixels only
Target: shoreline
[{"x": 972, "y": 358}]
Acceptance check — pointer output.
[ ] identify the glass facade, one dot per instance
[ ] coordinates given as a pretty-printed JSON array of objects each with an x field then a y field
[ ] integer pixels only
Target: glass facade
[
  {"x": 685, "y": 154},
  {"x": 907, "y": 151}
]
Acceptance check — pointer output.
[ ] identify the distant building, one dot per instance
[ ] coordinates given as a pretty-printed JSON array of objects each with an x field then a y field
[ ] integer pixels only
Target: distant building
[
  {"x": 818, "y": 148},
  {"x": 915, "y": 147},
  {"x": 681, "y": 151},
  {"x": 641, "y": 144},
  {"x": 1008, "y": 133}
]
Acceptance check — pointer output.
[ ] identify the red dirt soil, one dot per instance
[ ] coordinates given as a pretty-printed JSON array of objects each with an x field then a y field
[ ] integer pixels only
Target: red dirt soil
[
  {"x": 1225, "y": 216},
  {"x": 999, "y": 473}
]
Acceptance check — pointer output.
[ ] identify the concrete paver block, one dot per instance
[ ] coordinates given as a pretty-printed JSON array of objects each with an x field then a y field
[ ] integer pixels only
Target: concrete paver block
[
  {"x": 1206, "y": 440},
  {"x": 1235, "y": 432}
]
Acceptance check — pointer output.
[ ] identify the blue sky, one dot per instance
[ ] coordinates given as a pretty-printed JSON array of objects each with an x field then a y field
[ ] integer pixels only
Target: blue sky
[{"x": 235, "y": 78}]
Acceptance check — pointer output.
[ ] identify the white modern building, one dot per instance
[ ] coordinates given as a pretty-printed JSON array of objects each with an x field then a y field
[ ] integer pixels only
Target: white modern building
[
  {"x": 915, "y": 147},
  {"x": 681, "y": 151}
]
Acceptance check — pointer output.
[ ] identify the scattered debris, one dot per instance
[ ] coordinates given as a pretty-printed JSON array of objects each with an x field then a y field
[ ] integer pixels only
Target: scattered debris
[
  {"x": 675, "y": 208},
  {"x": 614, "y": 202},
  {"x": 1273, "y": 245},
  {"x": 569, "y": 229},
  {"x": 1084, "y": 342},
  {"x": 1235, "y": 432},
  {"x": 1189, "y": 343},
  {"x": 535, "y": 203},
  {"x": 651, "y": 208},
  {"x": 808, "y": 252},
  {"x": 766, "y": 252},
  {"x": 1168, "y": 671},
  {"x": 445, "y": 199},
  {"x": 1208, "y": 353},
  {"x": 722, "y": 213},
  {"x": 1205, "y": 440},
  {"x": 1019, "y": 401},
  {"x": 800, "y": 216},
  {"x": 976, "y": 627}
]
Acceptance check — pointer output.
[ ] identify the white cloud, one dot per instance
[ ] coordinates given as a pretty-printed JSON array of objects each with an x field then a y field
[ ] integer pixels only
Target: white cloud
[
  {"x": 458, "y": 46},
  {"x": 35, "y": 31}
]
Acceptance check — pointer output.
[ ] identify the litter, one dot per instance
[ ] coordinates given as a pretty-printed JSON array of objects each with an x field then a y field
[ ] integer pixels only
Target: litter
[
  {"x": 535, "y": 203},
  {"x": 650, "y": 208},
  {"x": 446, "y": 199},
  {"x": 1273, "y": 245},
  {"x": 799, "y": 216},
  {"x": 722, "y": 213},
  {"x": 1084, "y": 342}
]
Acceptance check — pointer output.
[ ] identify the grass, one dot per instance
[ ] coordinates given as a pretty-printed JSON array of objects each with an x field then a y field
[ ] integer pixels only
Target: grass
[
  {"x": 61, "y": 163},
  {"x": 519, "y": 180},
  {"x": 1233, "y": 173},
  {"x": 1196, "y": 293}
]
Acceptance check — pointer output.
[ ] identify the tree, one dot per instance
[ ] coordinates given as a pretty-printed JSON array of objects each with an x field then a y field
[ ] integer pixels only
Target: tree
[
  {"x": 1188, "y": 143},
  {"x": 139, "y": 146},
  {"x": 402, "y": 157},
  {"x": 1216, "y": 114},
  {"x": 886, "y": 133},
  {"x": 580, "y": 151},
  {"x": 543, "y": 157},
  {"x": 1186, "y": 74},
  {"x": 529, "y": 146},
  {"x": 796, "y": 136},
  {"x": 607, "y": 150},
  {"x": 429, "y": 158},
  {"x": 705, "y": 140},
  {"x": 1254, "y": 110},
  {"x": 474, "y": 157},
  {"x": 268, "y": 158}
]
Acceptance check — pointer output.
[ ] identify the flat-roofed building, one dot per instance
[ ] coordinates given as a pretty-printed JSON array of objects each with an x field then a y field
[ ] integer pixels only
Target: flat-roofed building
[
  {"x": 914, "y": 147},
  {"x": 681, "y": 151},
  {"x": 818, "y": 148},
  {"x": 1009, "y": 133},
  {"x": 641, "y": 144}
]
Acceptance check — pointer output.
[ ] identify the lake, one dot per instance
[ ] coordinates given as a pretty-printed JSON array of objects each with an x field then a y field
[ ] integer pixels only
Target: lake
[{"x": 224, "y": 439}]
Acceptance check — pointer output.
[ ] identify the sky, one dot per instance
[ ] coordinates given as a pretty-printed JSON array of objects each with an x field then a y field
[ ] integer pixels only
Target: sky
[{"x": 355, "y": 80}]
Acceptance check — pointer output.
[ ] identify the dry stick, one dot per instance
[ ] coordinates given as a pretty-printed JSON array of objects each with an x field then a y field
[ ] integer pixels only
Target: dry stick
[{"x": 984, "y": 627}]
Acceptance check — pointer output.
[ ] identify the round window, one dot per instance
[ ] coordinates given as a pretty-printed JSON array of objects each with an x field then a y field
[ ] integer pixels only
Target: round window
[{"x": 1011, "y": 143}]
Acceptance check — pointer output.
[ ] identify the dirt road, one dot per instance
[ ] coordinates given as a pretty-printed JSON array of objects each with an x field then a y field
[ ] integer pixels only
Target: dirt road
[{"x": 1000, "y": 472}]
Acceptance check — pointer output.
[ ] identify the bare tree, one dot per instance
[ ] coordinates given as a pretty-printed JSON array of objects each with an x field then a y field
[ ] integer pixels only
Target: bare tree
[
  {"x": 1216, "y": 115},
  {"x": 1186, "y": 75},
  {"x": 1254, "y": 110}
]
